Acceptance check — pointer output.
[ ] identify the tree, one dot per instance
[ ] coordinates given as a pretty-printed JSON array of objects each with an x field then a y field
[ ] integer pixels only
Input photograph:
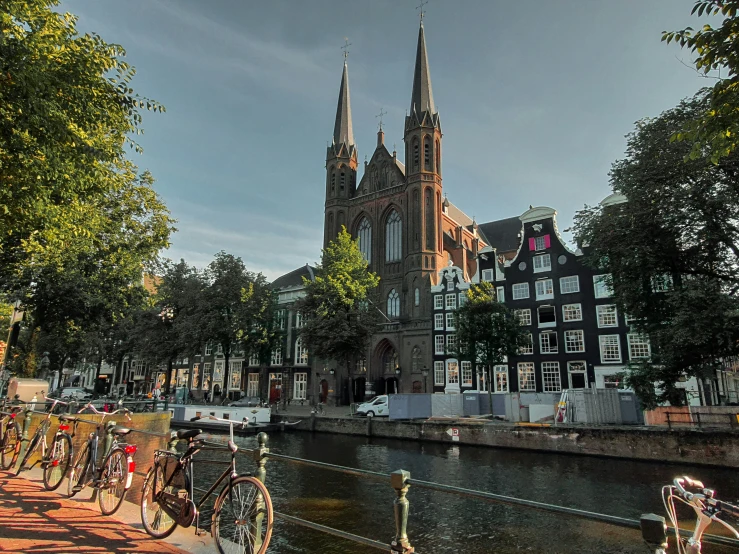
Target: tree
[
  {"x": 338, "y": 313},
  {"x": 66, "y": 114},
  {"x": 672, "y": 249},
  {"x": 716, "y": 50},
  {"x": 487, "y": 331}
]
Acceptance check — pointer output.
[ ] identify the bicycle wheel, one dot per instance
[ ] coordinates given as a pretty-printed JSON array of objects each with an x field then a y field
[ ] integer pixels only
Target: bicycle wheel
[
  {"x": 78, "y": 474},
  {"x": 11, "y": 445},
  {"x": 57, "y": 461},
  {"x": 113, "y": 482},
  {"x": 242, "y": 517},
  {"x": 32, "y": 446},
  {"x": 156, "y": 521}
]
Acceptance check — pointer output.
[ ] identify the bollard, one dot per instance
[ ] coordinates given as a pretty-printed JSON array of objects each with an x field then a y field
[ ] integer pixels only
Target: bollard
[
  {"x": 154, "y": 405},
  {"x": 173, "y": 441},
  {"x": 669, "y": 423},
  {"x": 400, "y": 506},
  {"x": 260, "y": 456},
  {"x": 24, "y": 436}
]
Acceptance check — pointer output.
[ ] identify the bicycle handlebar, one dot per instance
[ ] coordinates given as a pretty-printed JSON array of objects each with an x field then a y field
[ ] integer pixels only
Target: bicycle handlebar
[
  {"x": 703, "y": 498},
  {"x": 89, "y": 406},
  {"x": 56, "y": 401}
]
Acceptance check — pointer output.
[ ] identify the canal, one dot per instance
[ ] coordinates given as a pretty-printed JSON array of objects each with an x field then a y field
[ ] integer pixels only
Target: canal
[{"x": 444, "y": 523}]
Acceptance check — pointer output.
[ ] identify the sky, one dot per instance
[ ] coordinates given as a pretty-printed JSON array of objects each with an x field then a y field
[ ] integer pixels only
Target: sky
[{"x": 535, "y": 99}]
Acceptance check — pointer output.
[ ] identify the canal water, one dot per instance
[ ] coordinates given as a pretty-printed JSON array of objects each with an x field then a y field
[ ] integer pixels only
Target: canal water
[{"x": 445, "y": 523}]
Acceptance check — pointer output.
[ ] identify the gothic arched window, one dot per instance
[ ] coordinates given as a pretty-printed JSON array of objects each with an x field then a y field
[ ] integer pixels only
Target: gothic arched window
[
  {"x": 427, "y": 154},
  {"x": 416, "y": 154},
  {"x": 390, "y": 360},
  {"x": 333, "y": 181},
  {"x": 438, "y": 157},
  {"x": 393, "y": 238},
  {"x": 417, "y": 299},
  {"x": 416, "y": 359},
  {"x": 393, "y": 304},
  {"x": 364, "y": 234},
  {"x": 342, "y": 182}
]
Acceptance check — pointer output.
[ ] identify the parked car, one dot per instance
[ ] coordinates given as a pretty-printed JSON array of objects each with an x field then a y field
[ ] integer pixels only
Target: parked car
[
  {"x": 376, "y": 407},
  {"x": 75, "y": 393}
]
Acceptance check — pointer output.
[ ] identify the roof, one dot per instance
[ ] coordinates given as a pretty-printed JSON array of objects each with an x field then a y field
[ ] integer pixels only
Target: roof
[
  {"x": 458, "y": 215},
  {"x": 422, "y": 99},
  {"x": 294, "y": 278},
  {"x": 503, "y": 234},
  {"x": 343, "y": 133}
]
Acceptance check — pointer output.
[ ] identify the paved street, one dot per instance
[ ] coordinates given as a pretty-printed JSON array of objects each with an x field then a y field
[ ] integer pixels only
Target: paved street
[{"x": 35, "y": 520}]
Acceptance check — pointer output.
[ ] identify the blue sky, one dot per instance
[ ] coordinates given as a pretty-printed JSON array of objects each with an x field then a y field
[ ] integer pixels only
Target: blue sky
[{"x": 534, "y": 97}]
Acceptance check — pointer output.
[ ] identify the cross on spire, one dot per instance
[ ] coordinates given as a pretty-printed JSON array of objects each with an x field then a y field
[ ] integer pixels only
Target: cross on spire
[
  {"x": 382, "y": 112},
  {"x": 420, "y": 8},
  {"x": 345, "y": 48}
]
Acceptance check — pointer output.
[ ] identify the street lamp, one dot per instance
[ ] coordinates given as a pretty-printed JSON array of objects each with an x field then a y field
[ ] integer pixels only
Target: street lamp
[
  {"x": 397, "y": 370},
  {"x": 425, "y": 373},
  {"x": 332, "y": 371}
]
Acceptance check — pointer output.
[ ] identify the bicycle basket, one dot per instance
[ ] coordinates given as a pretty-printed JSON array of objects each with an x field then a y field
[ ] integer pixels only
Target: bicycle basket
[{"x": 171, "y": 468}]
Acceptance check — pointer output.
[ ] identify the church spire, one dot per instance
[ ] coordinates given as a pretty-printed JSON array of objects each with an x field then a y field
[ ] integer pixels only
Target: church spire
[
  {"x": 422, "y": 99},
  {"x": 343, "y": 133}
]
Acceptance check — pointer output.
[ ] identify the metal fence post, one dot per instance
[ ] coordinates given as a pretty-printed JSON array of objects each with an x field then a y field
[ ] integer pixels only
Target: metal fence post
[
  {"x": 698, "y": 417},
  {"x": 24, "y": 436},
  {"x": 261, "y": 456},
  {"x": 398, "y": 479},
  {"x": 669, "y": 423}
]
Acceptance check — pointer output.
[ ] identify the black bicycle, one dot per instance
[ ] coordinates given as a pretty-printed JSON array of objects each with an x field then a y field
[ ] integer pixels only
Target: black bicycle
[
  {"x": 10, "y": 437},
  {"x": 112, "y": 478},
  {"x": 242, "y": 514}
]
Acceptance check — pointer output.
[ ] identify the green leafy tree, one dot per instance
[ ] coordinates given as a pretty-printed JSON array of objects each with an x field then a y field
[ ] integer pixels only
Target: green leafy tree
[
  {"x": 487, "y": 331},
  {"x": 672, "y": 250},
  {"x": 338, "y": 309},
  {"x": 716, "y": 52},
  {"x": 67, "y": 111}
]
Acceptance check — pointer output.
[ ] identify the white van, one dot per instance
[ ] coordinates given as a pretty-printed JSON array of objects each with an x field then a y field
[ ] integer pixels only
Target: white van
[
  {"x": 375, "y": 407},
  {"x": 75, "y": 393}
]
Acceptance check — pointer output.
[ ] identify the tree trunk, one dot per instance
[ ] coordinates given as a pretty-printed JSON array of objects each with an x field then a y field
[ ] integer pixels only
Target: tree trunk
[
  {"x": 490, "y": 387},
  {"x": 351, "y": 381},
  {"x": 167, "y": 388}
]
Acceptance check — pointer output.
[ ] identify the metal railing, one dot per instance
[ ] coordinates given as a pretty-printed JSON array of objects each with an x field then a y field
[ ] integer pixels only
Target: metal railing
[
  {"x": 401, "y": 480},
  {"x": 702, "y": 420}
]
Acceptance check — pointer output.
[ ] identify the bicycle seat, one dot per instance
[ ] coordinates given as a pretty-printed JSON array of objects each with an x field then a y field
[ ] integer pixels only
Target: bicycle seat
[
  {"x": 67, "y": 418},
  {"x": 121, "y": 431},
  {"x": 189, "y": 434}
]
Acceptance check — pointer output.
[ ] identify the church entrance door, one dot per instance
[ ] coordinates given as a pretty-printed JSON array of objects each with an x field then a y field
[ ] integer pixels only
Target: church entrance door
[
  {"x": 359, "y": 386},
  {"x": 324, "y": 391}
]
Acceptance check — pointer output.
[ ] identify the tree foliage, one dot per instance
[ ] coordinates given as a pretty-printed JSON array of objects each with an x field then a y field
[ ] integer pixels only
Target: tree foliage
[
  {"x": 487, "y": 331},
  {"x": 339, "y": 310},
  {"x": 672, "y": 250},
  {"x": 716, "y": 49}
]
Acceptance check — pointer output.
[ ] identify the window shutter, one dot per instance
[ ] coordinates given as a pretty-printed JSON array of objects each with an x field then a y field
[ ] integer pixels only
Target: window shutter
[
  {"x": 532, "y": 244},
  {"x": 547, "y": 241}
]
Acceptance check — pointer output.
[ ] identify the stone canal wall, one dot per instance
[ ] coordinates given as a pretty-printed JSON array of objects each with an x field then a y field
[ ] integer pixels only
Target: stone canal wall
[{"x": 713, "y": 448}]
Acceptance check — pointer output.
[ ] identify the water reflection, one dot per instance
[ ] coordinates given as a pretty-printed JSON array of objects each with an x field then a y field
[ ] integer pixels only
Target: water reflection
[{"x": 444, "y": 523}]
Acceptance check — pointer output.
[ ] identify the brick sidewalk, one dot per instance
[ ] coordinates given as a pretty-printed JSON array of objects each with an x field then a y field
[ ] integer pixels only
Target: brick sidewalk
[{"x": 33, "y": 520}]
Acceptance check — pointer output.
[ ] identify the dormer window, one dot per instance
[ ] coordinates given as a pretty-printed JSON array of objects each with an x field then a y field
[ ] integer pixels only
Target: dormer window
[{"x": 539, "y": 243}]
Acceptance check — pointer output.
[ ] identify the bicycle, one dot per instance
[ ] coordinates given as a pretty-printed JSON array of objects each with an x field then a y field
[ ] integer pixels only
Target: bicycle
[
  {"x": 242, "y": 514},
  {"x": 10, "y": 438},
  {"x": 707, "y": 510},
  {"x": 54, "y": 460},
  {"x": 112, "y": 478}
]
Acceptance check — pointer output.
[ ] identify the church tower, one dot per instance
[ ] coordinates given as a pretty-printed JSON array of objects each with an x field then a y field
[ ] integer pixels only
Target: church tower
[
  {"x": 422, "y": 139},
  {"x": 341, "y": 165}
]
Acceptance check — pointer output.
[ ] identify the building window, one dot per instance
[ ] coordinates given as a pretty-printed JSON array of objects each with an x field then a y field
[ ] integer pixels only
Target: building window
[
  {"x": 542, "y": 263},
  {"x": 462, "y": 298},
  {"x": 550, "y": 377},
  {"x": 548, "y": 343},
  {"x": 298, "y": 320},
  {"x": 439, "y": 322},
  {"x": 253, "y": 385},
  {"x": 639, "y": 348},
  {"x": 254, "y": 359},
  {"x": 547, "y": 316},
  {"x": 523, "y": 316},
  {"x": 661, "y": 283},
  {"x": 439, "y": 344},
  {"x": 466, "y": 374},
  {"x": 540, "y": 243},
  {"x": 438, "y": 373},
  {"x": 206, "y": 376},
  {"x": 526, "y": 379},
  {"x": 607, "y": 315},
  {"x": 218, "y": 372},
  {"x": 417, "y": 297},
  {"x": 393, "y": 304},
  {"x": 390, "y": 360},
  {"x": 569, "y": 285},
  {"x": 610, "y": 349},
  {"x": 416, "y": 359},
  {"x": 544, "y": 289},
  {"x": 520, "y": 291},
  {"x": 450, "y": 321},
  {"x": 195, "y": 376},
  {"x": 452, "y": 372},
  {"x": 276, "y": 356},
  {"x": 487, "y": 275},
  {"x": 450, "y": 284},
  {"x": 571, "y": 312},
  {"x": 574, "y": 341},
  {"x": 235, "y": 375},
  {"x": 208, "y": 349},
  {"x": 439, "y": 302},
  {"x": 393, "y": 238},
  {"x": 528, "y": 346},
  {"x": 416, "y": 154},
  {"x": 500, "y": 294},
  {"x": 219, "y": 350},
  {"x": 427, "y": 154},
  {"x": 364, "y": 234},
  {"x": 300, "y": 386},
  {"x": 601, "y": 284},
  {"x": 451, "y": 343},
  {"x": 301, "y": 353},
  {"x": 501, "y": 378},
  {"x": 451, "y": 301}
]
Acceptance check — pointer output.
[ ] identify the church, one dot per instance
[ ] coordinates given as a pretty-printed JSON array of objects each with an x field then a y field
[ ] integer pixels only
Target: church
[{"x": 407, "y": 230}]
